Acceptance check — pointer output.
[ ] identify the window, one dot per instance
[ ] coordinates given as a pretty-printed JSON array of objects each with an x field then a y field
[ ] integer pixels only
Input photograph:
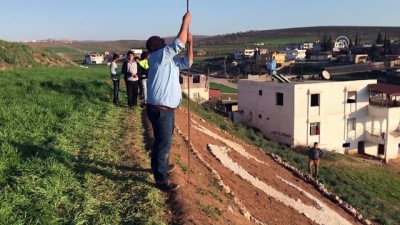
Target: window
[
  {"x": 180, "y": 79},
  {"x": 259, "y": 92},
  {"x": 259, "y": 116},
  {"x": 196, "y": 79},
  {"x": 279, "y": 98},
  {"x": 346, "y": 145},
  {"x": 314, "y": 129},
  {"x": 351, "y": 124},
  {"x": 314, "y": 100},
  {"x": 352, "y": 97}
]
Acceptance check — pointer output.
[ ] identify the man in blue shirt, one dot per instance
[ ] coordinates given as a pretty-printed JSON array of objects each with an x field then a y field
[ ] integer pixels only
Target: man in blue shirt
[{"x": 164, "y": 95}]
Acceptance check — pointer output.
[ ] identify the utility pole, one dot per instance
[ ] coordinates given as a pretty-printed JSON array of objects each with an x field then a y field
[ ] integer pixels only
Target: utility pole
[{"x": 225, "y": 68}]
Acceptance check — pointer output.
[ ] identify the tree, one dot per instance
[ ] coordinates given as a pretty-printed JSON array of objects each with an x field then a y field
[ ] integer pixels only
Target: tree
[
  {"x": 330, "y": 43},
  {"x": 356, "y": 42},
  {"x": 379, "y": 40},
  {"x": 324, "y": 43},
  {"x": 351, "y": 43},
  {"x": 389, "y": 45},
  {"x": 385, "y": 48},
  {"x": 374, "y": 53}
]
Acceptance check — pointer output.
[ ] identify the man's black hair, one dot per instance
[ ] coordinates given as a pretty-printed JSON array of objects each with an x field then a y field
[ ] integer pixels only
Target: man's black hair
[
  {"x": 129, "y": 53},
  {"x": 149, "y": 43},
  {"x": 115, "y": 56}
]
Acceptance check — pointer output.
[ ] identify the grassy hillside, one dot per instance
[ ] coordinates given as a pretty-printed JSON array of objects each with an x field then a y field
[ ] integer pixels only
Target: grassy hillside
[
  {"x": 66, "y": 152},
  {"x": 372, "y": 188},
  {"x": 21, "y": 55}
]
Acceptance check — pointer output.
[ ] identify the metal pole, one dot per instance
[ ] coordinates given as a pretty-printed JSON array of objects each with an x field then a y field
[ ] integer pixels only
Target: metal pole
[{"x": 188, "y": 106}]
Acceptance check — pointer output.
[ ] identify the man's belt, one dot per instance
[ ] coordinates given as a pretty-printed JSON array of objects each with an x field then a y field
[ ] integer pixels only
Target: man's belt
[{"x": 160, "y": 107}]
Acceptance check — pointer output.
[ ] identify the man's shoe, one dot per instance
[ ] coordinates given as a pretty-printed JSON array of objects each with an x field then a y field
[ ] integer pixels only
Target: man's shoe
[
  {"x": 171, "y": 167},
  {"x": 168, "y": 187}
]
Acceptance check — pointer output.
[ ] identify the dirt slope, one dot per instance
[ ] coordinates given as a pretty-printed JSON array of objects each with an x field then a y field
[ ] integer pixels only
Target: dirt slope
[{"x": 229, "y": 182}]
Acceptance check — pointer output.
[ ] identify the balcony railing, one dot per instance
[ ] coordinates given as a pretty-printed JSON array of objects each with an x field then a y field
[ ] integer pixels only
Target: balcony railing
[{"x": 384, "y": 102}]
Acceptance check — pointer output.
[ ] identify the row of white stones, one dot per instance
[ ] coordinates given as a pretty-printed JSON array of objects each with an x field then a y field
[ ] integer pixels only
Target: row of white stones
[{"x": 242, "y": 209}]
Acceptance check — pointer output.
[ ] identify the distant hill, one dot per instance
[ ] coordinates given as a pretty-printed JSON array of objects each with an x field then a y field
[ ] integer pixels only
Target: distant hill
[
  {"x": 291, "y": 35},
  {"x": 21, "y": 55},
  {"x": 220, "y": 45}
]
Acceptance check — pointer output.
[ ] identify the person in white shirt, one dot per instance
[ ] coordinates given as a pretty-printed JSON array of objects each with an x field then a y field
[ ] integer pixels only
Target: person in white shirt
[
  {"x": 115, "y": 75},
  {"x": 129, "y": 69}
]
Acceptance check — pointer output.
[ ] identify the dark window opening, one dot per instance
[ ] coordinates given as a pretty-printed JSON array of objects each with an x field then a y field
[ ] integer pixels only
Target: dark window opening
[
  {"x": 279, "y": 98},
  {"x": 196, "y": 79},
  {"x": 346, "y": 145},
  {"x": 259, "y": 92},
  {"x": 381, "y": 149},
  {"x": 259, "y": 116},
  {"x": 180, "y": 79},
  {"x": 314, "y": 100},
  {"x": 352, "y": 97}
]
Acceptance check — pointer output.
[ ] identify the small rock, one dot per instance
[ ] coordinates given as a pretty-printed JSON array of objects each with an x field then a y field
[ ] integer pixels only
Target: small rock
[{"x": 367, "y": 222}]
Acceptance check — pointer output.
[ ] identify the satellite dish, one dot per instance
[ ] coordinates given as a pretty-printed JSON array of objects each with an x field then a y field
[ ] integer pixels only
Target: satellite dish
[{"x": 325, "y": 74}]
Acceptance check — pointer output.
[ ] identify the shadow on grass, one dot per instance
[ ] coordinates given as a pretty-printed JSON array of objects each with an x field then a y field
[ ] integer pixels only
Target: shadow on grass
[{"x": 80, "y": 164}]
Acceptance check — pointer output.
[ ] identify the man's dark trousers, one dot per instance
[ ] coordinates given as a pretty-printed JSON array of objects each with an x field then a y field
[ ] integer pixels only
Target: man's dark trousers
[
  {"x": 116, "y": 90},
  {"x": 132, "y": 91},
  {"x": 162, "y": 122}
]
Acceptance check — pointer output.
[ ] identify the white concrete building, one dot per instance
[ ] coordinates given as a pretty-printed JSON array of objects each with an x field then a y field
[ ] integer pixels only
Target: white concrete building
[
  {"x": 243, "y": 53},
  {"x": 94, "y": 59},
  {"x": 137, "y": 52},
  {"x": 338, "y": 115},
  {"x": 199, "y": 86},
  {"x": 294, "y": 54}
]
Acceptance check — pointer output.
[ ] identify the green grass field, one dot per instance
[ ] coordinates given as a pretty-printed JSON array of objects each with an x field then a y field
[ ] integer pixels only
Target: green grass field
[
  {"x": 63, "y": 159},
  {"x": 222, "y": 88},
  {"x": 374, "y": 189}
]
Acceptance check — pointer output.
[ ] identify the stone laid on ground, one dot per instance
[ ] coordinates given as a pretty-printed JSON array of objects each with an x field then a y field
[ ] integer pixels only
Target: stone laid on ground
[
  {"x": 322, "y": 215},
  {"x": 242, "y": 209},
  {"x": 321, "y": 188}
]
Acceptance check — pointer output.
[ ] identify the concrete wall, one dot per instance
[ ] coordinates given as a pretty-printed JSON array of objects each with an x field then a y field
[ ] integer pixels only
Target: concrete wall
[
  {"x": 260, "y": 111},
  {"x": 332, "y": 113},
  {"x": 198, "y": 91},
  {"x": 355, "y": 68},
  {"x": 383, "y": 126},
  {"x": 393, "y": 140}
]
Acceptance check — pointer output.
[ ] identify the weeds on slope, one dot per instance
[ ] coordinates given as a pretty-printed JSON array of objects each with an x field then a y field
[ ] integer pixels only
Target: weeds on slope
[{"x": 61, "y": 152}]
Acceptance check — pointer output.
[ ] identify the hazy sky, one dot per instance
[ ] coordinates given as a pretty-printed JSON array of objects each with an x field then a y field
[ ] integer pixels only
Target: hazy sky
[{"x": 133, "y": 19}]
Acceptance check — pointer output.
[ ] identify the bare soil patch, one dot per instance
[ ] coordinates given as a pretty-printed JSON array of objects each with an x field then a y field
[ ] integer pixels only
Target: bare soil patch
[{"x": 201, "y": 200}]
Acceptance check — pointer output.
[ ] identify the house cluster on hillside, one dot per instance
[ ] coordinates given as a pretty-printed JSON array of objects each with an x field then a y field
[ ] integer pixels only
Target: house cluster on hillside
[{"x": 101, "y": 58}]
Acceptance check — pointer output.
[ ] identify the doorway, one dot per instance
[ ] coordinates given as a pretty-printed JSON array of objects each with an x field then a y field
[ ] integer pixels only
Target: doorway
[{"x": 361, "y": 147}]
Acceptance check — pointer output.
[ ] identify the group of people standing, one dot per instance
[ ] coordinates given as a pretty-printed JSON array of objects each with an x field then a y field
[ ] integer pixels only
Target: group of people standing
[
  {"x": 135, "y": 71},
  {"x": 156, "y": 75}
]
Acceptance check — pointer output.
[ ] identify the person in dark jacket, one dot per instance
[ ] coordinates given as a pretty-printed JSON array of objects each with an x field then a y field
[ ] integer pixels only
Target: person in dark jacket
[{"x": 314, "y": 154}]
